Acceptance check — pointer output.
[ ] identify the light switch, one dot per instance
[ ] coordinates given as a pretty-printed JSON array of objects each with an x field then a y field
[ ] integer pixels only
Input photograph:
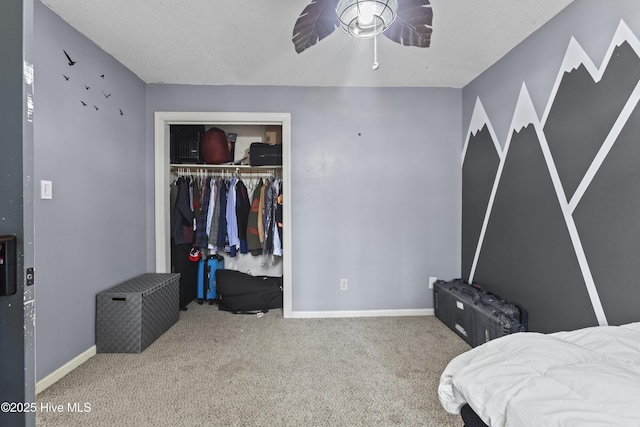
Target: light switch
[{"x": 46, "y": 190}]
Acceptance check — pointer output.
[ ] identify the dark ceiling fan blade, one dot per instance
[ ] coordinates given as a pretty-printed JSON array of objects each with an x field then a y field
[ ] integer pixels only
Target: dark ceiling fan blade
[
  {"x": 413, "y": 24},
  {"x": 317, "y": 21}
]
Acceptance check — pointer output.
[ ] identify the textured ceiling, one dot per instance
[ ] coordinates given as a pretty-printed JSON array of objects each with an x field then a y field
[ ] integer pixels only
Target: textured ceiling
[{"x": 248, "y": 42}]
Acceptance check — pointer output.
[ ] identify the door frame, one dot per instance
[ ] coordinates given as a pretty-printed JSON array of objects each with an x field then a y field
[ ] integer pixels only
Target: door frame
[{"x": 162, "y": 120}]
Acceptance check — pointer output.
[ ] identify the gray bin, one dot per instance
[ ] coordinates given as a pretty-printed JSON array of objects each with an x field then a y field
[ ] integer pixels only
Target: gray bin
[{"x": 132, "y": 315}]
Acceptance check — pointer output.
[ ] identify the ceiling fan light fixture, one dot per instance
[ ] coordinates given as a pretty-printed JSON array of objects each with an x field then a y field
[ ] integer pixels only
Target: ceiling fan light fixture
[{"x": 365, "y": 19}]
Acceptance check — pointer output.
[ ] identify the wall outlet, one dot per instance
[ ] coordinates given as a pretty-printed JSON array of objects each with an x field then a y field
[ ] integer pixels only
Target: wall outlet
[
  {"x": 344, "y": 285},
  {"x": 432, "y": 280}
]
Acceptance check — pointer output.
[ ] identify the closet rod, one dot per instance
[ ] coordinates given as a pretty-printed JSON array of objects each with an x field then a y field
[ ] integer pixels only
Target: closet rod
[{"x": 176, "y": 166}]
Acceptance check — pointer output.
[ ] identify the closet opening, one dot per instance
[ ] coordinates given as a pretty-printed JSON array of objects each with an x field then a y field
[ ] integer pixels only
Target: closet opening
[{"x": 243, "y": 129}]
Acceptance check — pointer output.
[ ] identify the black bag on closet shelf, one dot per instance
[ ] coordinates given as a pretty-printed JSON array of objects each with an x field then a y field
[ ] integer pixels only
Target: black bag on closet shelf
[
  {"x": 242, "y": 293},
  {"x": 261, "y": 154},
  {"x": 184, "y": 142}
]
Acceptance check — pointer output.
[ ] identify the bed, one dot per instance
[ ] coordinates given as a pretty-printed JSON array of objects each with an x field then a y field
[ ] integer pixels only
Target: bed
[{"x": 586, "y": 378}]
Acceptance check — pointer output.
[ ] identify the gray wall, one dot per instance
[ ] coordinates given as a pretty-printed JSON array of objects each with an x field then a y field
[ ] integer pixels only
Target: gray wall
[
  {"x": 92, "y": 234},
  {"x": 16, "y": 208},
  {"x": 375, "y": 187},
  {"x": 561, "y": 233}
]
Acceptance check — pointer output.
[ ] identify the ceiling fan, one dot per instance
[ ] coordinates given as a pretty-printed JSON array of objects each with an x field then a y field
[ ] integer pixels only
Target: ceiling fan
[{"x": 411, "y": 25}]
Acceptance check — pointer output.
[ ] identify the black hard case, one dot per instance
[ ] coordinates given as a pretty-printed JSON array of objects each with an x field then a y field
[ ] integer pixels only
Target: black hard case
[
  {"x": 240, "y": 292},
  {"x": 262, "y": 154},
  {"x": 476, "y": 315}
]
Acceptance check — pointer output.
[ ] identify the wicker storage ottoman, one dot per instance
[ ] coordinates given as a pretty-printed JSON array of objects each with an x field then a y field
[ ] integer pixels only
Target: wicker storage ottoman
[{"x": 132, "y": 315}]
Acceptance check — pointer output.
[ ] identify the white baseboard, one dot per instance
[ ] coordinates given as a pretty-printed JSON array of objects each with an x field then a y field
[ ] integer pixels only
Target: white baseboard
[
  {"x": 55, "y": 376},
  {"x": 362, "y": 313}
]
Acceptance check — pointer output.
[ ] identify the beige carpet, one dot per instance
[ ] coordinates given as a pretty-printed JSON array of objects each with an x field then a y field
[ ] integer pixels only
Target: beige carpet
[{"x": 214, "y": 368}]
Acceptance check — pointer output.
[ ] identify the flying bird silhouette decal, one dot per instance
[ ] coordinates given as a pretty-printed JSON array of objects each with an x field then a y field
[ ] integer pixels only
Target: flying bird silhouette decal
[{"x": 71, "y": 61}]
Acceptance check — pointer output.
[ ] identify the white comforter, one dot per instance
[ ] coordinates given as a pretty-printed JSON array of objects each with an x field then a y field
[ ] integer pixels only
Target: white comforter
[{"x": 584, "y": 378}]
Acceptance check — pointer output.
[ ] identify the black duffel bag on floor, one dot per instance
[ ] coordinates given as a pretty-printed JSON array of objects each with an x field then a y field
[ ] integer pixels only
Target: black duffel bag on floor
[{"x": 242, "y": 293}]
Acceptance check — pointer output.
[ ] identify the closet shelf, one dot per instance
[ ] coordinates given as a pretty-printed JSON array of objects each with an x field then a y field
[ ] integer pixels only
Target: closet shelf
[{"x": 175, "y": 166}]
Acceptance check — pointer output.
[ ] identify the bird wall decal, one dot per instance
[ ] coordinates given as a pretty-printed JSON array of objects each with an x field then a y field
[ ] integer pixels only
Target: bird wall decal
[
  {"x": 89, "y": 98},
  {"x": 71, "y": 61}
]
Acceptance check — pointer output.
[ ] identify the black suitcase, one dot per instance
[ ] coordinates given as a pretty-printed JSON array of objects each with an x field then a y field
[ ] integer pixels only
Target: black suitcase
[
  {"x": 261, "y": 154},
  {"x": 476, "y": 315},
  {"x": 240, "y": 292}
]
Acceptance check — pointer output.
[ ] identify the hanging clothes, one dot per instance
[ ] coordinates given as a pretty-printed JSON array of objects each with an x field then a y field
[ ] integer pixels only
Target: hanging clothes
[
  {"x": 212, "y": 204},
  {"x": 243, "y": 206},
  {"x": 202, "y": 239},
  {"x": 182, "y": 229},
  {"x": 279, "y": 209},
  {"x": 263, "y": 189},
  {"x": 215, "y": 216},
  {"x": 173, "y": 196},
  {"x": 196, "y": 197},
  {"x": 232, "y": 219},
  {"x": 275, "y": 230},
  {"x": 222, "y": 239},
  {"x": 268, "y": 218},
  {"x": 228, "y": 219},
  {"x": 253, "y": 237}
]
